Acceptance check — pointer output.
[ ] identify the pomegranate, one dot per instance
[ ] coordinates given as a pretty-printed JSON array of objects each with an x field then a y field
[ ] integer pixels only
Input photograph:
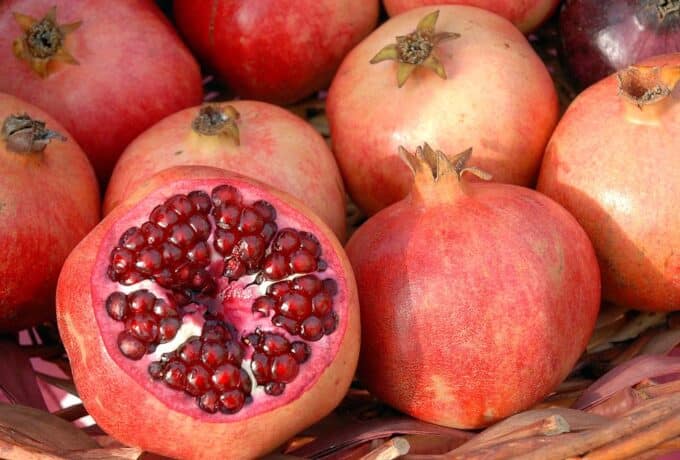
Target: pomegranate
[
  {"x": 613, "y": 163},
  {"x": 209, "y": 316},
  {"x": 464, "y": 76},
  {"x": 49, "y": 200},
  {"x": 527, "y": 15},
  {"x": 275, "y": 50},
  {"x": 252, "y": 138},
  {"x": 479, "y": 296},
  {"x": 106, "y": 70}
]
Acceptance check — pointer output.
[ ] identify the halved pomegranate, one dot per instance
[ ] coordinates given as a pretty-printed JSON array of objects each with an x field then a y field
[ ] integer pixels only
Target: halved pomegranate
[{"x": 209, "y": 316}]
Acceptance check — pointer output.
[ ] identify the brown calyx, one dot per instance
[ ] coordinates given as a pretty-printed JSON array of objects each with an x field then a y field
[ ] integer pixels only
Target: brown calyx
[
  {"x": 216, "y": 120},
  {"x": 647, "y": 91},
  {"x": 433, "y": 167},
  {"x": 22, "y": 134},
  {"x": 416, "y": 49},
  {"x": 667, "y": 7}
]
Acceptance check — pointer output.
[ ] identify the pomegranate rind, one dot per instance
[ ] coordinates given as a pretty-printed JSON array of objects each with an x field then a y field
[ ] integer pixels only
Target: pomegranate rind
[
  {"x": 129, "y": 412},
  {"x": 483, "y": 320},
  {"x": 48, "y": 202}
]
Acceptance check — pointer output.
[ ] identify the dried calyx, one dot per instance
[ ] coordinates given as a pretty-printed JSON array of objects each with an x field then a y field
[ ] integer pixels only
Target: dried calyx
[
  {"x": 667, "y": 7},
  {"x": 217, "y": 120},
  {"x": 647, "y": 91},
  {"x": 22, "y": 134},
  {"x": 43, "y": 41},
  {"x": 416, "y": 49}
]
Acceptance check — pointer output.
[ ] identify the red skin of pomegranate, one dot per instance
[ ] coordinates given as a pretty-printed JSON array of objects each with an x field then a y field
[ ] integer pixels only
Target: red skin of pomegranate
[
  {"x": 527, "y": 15},
  {"x": 498, "y": 98},
  {"x": 136, "y": 410},
  {"x": 480, "y": 298},
  {"x": 275, "y": 50},
  {"x": 621, "y": 180},
  {"x": 133, "y": 70},
  {"x": 48, "y": 202},
  {"x": 275, "y": 147}
]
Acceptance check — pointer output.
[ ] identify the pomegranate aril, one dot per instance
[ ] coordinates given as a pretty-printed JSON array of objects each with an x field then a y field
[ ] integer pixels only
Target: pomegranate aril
[
  {"x": 131, "y": 278},
  {"x": 300, "y": 351},
  {"x": 234, "y": 353},
  {"x": 275, "y": 266},
  {"x": 265, "y": 209},
  {"x": 286, "y": 241},
  {"x": 288, "y": 324},
  {"x": 131, "y": 346},
  {"x": 278, "y": 290},
  {"x": 234, "y": 269},
  {"x": 311, "y": 329},
  {"x": 227, "y": 216},
  {"x": 330, "y": 286},
  {"x": 200, "y": 225},
  {"x": 308, "y": 285},
  {"x": 232, "y": 401},
  {"x": 310, "y": 244},
  {"x": 250, "y": 221},
  {"x": 141, "y": 301},
  {"x": 226, "y": 377},
  {"x": 295, "y": 306},
  {"x": 213, "y": 354},
  {"x": 264, "y": 305},
  {"x": 164, "y": 278},
  {"x": 226, "y": 194},
  {"x": 143, "y": 326},
  {"x": 201, "y": 201},
  {"x": 156, "y": 369},
  {"x": 224, "y": 241},
  {"x": 215, "y": 331},
  {"x": 163, "y": 216},
  {"x": 260, "y": 367},
  {"x": 246, "y": 384},
  {"x": 284, "y": 368},
  {"x": 174, "y": 375},
  {"x": 251, "y": 249},
  {"x": 268, "y": 231},
  {"x": 117, "y": 306},
  {"x": 163, "y": 309},
  {"x": 153, "y": 234},
  {"x": 182, "y": 235},
  {"x": 190, "y": 350},
  {"x": 171, "y": 254},
  {"x": 209, "y": 401},
  {"x": 122, "y": 260},
  {"x": 274, "y": 388},
  {"x": 302, "y": 261},
  {"x": 198, "y": 380},
  {"x": 133, "y": 239},
  {"x": 149, "y": 260},
  {"x": 167, "y": 329},
  {"x": 274, "y": 344},
  {"x": 199, "y": 254},
  {"x": 322, "y": 303},
  {"x": 330, "y": 323},
  {"x": 181, "y": 205}
]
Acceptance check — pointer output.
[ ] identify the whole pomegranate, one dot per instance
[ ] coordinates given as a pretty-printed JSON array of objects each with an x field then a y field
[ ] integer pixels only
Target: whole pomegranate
[
  {"x": 49, "y": 200},
  {"x": 479, "y": 296},
  {"x": 209, "y": 316},
  {"x": 527, "y": 15},
  {"x": 457, "y": 76},
  {"x": 106, "y": 70},
  {"x": 275, "y": 50},
  {"x": 613, "y": 163},
  {"x": 255, "y": 139}
]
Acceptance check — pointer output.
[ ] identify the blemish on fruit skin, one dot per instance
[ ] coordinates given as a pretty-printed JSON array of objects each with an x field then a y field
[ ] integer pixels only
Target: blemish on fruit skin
[
  {"x": 490, "y": 414},
  {"x": 179, "y": 152},
  {"x": 2, "y": 205}
]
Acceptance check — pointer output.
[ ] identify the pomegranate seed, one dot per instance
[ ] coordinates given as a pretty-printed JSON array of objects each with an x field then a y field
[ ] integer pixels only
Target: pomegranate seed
[
  {"x": 164, "y": 278},
  {"x": 181, "y": 205},
  {"x": 174, "y": 375},
  {"x": 232, "y": 401},
  {"x": 143, "y": 326},
  {"x": 234, "y": 353},
  {"x": 209, "y": 402},
  {"x": 330, "y": 286},
  {"x": 163, "y": 309},
  {"x": 251, "y": 221},
  {"x": 133, "y": 239},
  {"x": 234, "y": 269},
  {"x": 278, "y": 290},
  {"x": 201, "y": 201},
  {"x": 322, "y": 303},
  {"x": 131, "y": 278},
  {"x": 330, "y": 323},
  {"x": 264, "y": 305},
  {"x": 308, "y": 285},
  {"x": 215, "y": 331},
  {"x": 311, "y": 329},
  {"x": 182, "y": 235},
  {"x": 268, "y": 231},
  {"x": 163, "y": 217},
  {"x": 295, "y": 306},
  {"x": 260, "y": 367},
  {"x": 153, "y": 234},
  {"x": 149, "y": 261},
  {"x": 171, "y": 254},
  {"x": 286, "y": 241},
  {"x": 301, "y": 261},
  {"x": 274, "y": 344},
  {"x": 116, "y": 306},
  {"x": 167, "y": 329},
  {"x": 199, "y": 254},
  {"x": 141, "y": 301},
  {"x": 310, "y": 243},
  {"x": 198, "y": 380},
  {"x": 226, "y": 377},
  {"x": 265, "y": 209},
  {"x": 200, "y": 225},
  {"x": 300, "y": 351},
  {"x": 224, "y": 241},
  {"x": 213, "y": 354},
  {"x": 274, "y": 388},
  {"x": 226, "y": 194},
  {"x": 288, "y": 324},
  {"x": 131, "y": 346},
  {"x": 122, "y": 260},
  {"x": 284, "y": 368},
  {"x": 190, "y": 350},
  {"x": 156, "y": 369},
  {"x": 275, "y": 266},
  {"x": 227, "y": 216},
  {"x": 251, "y": 249}
]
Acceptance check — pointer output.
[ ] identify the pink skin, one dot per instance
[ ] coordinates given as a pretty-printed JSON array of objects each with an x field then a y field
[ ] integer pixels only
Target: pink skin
[
  {"x": 177, "y": 427},
  {"x": 504, "y": 105},
  {"x": 133, "y": 71},
  {"x": 275, "y": 147},
  {"x": 481, "y": 297},
  {"x": 527, "y": 15},
  {"x": 48, "y": 202},
  {"x": 275, "y": 50},
  {"x": 621, "y": 180}
]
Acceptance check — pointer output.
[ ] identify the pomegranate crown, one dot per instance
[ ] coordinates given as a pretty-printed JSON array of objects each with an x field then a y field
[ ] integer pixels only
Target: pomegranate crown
[
  {"x": 23, "y": 134},
  {"x": 436, "y": 164},
  {"x": 216, "y": 120}
]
